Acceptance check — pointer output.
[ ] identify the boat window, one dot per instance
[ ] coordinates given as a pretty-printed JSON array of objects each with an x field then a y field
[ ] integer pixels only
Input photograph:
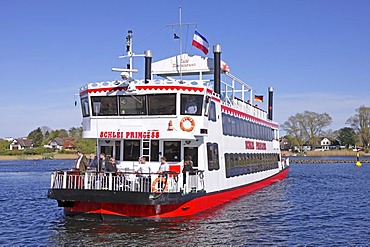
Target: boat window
[
  {"x": 213, "y": 157},
  {"x": 172, "y": 150},
  {"x": 154, "y": 150},
  {"x": 191, "y": 104},
  {"x": 234, "y": 126},
  {"x": 85, "y": 107},
  {"x": 132, "y": 105},
  {"x": 108, "y": 106},
  {"x": 162, "y": 104},
  {"x": 242, "y": 164},
  {"x": 117, "y": 150},
  {"x": 212, "y": 112},
  {"x": 131, "y": 150}
]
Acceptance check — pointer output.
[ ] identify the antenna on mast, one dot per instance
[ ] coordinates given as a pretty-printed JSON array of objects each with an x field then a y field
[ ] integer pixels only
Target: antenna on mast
[
  {"x": 126, "y": 74},
  {"x": 180, "y": 36}
]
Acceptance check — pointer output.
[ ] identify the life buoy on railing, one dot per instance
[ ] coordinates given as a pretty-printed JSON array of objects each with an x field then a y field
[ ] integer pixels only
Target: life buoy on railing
[
  {"x": 187, "y": 119},
  {"x": 162, "y": 182}
]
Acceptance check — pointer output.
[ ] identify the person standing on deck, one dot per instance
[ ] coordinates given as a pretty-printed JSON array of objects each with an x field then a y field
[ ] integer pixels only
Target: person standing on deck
[
  {"x": 164, "y": 167},
  {"x": 110, "y": 166},
  {"x": 188, "y": 167},
  {"x": 80, "y": 163},
  {"x": 103, "y": 162},
  {"x": 144, "y": 174}
]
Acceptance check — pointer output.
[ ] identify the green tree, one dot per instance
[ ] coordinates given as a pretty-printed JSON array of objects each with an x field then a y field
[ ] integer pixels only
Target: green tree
[
  {"x": 346, "y": 136},
  {"x": 36, "y": 136},
  {"x": 307, "y": 126},
  {"x": 62, "y": 133},
  {"x": 4, "y": 144},
  {"x": 360, "y": 122},
  {"x": 87, "y": 146},
  {"x": 75, "y": 133}
]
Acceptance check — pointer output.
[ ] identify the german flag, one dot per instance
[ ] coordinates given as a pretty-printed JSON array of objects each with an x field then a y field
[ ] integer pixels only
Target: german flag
[{"x": 258, "y": 98}]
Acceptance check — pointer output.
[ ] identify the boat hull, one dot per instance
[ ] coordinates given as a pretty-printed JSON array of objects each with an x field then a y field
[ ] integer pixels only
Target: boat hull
[{"x": 171, "y": 205}]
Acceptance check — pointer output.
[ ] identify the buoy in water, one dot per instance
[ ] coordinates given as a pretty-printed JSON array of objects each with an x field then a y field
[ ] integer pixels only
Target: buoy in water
[{"x": 358, "y": 163}]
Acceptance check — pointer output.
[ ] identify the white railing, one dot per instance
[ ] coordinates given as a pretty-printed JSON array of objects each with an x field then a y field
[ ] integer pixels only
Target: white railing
[{"x": 128, "y": 181}]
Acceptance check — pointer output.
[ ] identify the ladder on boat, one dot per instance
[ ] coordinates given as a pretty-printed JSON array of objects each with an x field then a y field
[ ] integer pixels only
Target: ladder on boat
[{"x": 146, "y": 149}]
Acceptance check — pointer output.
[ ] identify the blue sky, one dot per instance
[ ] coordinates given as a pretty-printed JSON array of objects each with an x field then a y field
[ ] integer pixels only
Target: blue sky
[{"x": 316, "y": 54}]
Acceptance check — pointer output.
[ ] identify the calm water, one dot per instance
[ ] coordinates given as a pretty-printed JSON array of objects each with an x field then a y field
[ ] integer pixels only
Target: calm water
[{"x": 318, "y": 204}]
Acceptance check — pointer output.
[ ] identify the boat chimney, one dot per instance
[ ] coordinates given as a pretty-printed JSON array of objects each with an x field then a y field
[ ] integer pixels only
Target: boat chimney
[
  {"x": 217, "y": 68},
  {"x": 148, "y": 66},
  {"x": 271, "y": 93}
]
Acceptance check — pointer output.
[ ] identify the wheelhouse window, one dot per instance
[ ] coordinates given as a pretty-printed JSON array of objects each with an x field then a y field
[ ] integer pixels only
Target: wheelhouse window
[
  {"x": 85, "y": 107},
  {"x": 213, "y": 156},
  {"x": 131, "y": 150},
  {"x": 162, "y": 104},
  {"x": 132, "y": 105},
  {"x": 108, "y": 105},
  {"x": 191, "y": 104},
  {"x": 172, "y": 150}
]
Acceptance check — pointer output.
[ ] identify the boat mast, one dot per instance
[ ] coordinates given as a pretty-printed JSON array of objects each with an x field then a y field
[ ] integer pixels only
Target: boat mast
[
  {"x": 126, "y": 73},
  {"x": 180, "y": 36}
]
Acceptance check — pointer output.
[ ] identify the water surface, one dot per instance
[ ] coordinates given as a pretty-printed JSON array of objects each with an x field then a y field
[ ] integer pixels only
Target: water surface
[{"x": 317, "y": 204}]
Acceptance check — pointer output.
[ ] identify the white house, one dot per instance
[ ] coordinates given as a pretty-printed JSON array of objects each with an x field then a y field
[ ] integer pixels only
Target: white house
[
  {"x": 21, "y": 144},
  {"x": 56, "y": 143}
]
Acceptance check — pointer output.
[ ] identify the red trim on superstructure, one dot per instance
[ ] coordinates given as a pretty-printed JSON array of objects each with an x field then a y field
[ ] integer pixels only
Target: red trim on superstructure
[
  {"x": 103, "y": 89},
  {"x": 173, "y": 210},
  {"x": 238, "y": 113},
  {"x": 171, "y": 87}
]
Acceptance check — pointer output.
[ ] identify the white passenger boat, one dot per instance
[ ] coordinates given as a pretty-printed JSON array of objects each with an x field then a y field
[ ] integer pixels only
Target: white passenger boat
[{"x": 186, "y": 106}]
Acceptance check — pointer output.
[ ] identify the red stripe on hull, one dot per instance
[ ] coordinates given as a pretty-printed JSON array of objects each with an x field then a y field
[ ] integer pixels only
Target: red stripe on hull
[{"x": 174, "y": 210}]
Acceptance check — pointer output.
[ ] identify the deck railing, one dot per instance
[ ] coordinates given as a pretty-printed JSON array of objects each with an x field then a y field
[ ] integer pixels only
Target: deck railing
[{"x": 128, "y": 181}]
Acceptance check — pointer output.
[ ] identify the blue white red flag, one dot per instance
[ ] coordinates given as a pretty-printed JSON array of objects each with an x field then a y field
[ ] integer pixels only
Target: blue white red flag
[{"x": 200, "y": 42}]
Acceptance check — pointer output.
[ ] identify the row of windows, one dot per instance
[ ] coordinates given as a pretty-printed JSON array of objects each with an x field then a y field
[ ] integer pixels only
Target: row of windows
[
  {"x": 132, "y": 150},
  {"x": 154, "y": 104},
  {"x": 234, "y": 126},
  {"x": 241, "y": 164}
]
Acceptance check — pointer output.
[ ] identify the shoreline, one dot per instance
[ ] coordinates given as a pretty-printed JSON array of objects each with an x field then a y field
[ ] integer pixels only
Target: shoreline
[
  {"x": 38, "y": 157},
  {"x": 283, "y": 153}
]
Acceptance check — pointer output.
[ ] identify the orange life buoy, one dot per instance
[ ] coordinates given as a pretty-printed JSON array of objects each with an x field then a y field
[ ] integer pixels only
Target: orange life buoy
[
  {"x": 187, "y": 119},
  {"x": 162, "y": 181}
]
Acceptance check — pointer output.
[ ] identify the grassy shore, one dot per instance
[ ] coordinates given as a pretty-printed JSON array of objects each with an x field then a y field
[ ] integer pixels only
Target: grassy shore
[
  {"x": 328, "y": 153},
  {"x": 38, "y": 157}
]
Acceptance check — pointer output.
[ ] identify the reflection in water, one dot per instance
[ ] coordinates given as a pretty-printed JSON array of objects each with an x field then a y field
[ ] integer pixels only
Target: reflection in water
[{"x": 238, "y": 222}]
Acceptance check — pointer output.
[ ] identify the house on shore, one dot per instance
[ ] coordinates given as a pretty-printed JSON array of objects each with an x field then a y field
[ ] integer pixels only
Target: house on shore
[{"x": 21, "y": 144}]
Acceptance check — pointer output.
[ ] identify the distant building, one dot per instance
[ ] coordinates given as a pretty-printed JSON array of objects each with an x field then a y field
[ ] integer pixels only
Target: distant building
[
  {"x": 56, "y": 143},
  {"x": 21, "y": 144},
  {"x": 285, "y": 144},
  {"x": 69, "y": 144},
  {"x": 328, "y": 144}
]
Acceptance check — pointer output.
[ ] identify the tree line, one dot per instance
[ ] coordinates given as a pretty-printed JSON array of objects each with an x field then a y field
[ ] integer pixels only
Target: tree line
[
  {"x": 43, "y": 135},
  {"x": 309, "y": 127}
]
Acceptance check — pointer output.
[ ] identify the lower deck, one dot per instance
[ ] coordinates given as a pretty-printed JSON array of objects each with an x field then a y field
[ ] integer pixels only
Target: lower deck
[{"x": 151, "y": 204}]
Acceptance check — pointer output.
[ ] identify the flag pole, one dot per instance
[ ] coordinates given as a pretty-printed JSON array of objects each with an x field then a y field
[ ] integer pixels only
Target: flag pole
[{"x": 180, "y": 43}]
